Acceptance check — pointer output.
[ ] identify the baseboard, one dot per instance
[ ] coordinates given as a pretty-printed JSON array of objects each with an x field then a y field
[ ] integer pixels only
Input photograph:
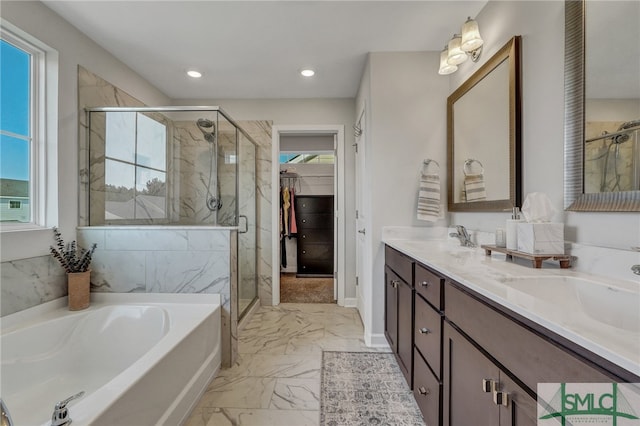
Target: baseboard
[
  {"x": 350, "y": 302},
  {"x": 376, "y": 340}
]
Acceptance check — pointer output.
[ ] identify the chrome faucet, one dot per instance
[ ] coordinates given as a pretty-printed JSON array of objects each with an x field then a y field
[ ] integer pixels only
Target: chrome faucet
[
  {"x": 5, "y": 419},
  {"x": 60, "y": 415},
  {"x": 636, "y": 269},
  {"x": 463, "y": 236}
]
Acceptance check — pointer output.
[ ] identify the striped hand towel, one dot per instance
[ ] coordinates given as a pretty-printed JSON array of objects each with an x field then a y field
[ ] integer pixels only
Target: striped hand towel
[
  {"x": 429, "y": 197},
  {"x": 474, "y": 188}
]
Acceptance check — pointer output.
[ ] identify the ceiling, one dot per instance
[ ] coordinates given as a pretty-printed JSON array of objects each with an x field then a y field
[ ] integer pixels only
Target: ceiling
[{"x": 255, "y": 49}]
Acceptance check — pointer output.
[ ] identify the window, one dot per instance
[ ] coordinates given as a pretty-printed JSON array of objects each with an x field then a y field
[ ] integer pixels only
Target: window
[
  {"x": 22, "y": 95},
  {"x": 135, "y": 167},
  {"x": 307, "y": 158}
]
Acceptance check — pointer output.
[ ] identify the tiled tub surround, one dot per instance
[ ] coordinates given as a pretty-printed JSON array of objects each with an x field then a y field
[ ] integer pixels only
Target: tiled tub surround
[
  {"x": 156, "y": 259},
  {"x": 30, "y": 282},
  {"x": 556, "y": 309},
  {"x": 136, "y": 340}
]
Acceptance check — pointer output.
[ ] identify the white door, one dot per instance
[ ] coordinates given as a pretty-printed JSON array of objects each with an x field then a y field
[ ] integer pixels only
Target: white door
[{"x": 362, "y": 275}]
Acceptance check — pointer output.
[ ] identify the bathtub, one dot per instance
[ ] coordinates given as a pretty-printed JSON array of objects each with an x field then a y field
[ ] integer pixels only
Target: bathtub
[{"x": 141, "y": 359}]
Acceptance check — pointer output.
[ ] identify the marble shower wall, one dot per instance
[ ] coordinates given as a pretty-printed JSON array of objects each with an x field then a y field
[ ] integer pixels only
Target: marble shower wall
[
  {"x": 30, "y": 282},
  {"x": 166, "y": 260}
]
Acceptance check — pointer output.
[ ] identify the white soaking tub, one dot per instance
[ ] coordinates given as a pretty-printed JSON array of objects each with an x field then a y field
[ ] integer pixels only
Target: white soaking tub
[{"x": 142, "y": 359}]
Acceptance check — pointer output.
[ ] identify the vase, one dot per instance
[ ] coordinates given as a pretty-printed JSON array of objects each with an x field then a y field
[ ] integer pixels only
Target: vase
[{"x": 79, "y": 285}]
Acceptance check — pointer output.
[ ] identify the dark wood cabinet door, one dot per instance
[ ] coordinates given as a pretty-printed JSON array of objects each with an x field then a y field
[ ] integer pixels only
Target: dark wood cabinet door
[
  {"x": 426, "y": 390},
  {"x": 465, "y": 401},
  {"x": 405, "y": 330},
  {"x": 391, "y": 308},
  {"x": 520, "y": 409}
]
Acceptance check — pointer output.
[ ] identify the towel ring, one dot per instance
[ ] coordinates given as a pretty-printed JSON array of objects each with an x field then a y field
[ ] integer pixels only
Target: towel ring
[
  {"x": 427, "y": 163},
  {"x": 466, "y": 169}
]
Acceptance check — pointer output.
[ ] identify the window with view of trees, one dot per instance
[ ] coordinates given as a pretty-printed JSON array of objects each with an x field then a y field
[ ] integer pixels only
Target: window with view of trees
[{"x": 135, "y": 167}]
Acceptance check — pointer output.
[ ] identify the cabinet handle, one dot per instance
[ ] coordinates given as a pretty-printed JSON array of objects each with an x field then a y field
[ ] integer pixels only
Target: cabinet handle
[
  {"x": 488, "y": 385},
  {"x": 394, "y": 283},
  {"x": 501, "y": 398},
  {"x": 424, "y": 283},
  {"x": 423, "y": 391},
  {"x": 424, "y": 330},
  {"x": 304, "y": 252},
  {"x": 304, "y": 220}
]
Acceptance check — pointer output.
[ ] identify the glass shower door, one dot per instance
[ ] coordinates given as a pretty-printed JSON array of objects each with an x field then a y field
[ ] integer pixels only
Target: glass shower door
[{"x": 247, "y": 229}]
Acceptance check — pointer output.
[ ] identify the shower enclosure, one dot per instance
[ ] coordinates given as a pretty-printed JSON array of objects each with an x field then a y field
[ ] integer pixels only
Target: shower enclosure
[
  {"x": 612, "y": 156},
  {"x": 191, "y": 168}
]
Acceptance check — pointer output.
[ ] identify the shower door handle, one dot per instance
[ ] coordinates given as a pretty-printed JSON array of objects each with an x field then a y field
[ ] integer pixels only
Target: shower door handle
[{"x": 246, "y": 224}]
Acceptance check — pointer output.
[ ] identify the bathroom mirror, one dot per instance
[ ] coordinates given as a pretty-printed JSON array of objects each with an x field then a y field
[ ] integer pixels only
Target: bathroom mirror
[
  {"x": 483, "y": 136},
  {"x": 602, "y": 94}
]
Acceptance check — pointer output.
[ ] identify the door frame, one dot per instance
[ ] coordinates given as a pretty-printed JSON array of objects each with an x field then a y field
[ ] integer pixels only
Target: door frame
[{"x": 339, "y": 202}]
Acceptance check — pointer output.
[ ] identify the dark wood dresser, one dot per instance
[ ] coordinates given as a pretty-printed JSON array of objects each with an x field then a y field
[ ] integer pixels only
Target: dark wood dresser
[{"x": 314, "y": 218}]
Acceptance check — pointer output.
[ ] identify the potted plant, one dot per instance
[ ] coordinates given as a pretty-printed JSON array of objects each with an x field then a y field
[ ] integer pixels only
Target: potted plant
[{"x": 76, "y": 262}]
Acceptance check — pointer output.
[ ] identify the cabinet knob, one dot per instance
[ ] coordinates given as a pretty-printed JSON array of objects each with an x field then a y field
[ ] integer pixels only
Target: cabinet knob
[
  {"x": 304, "y": 236},
  {"x": 425, "y": 330},
  {"x": 424, "y": 283},
  {"x": 488, "y": 385},
  {"x": 304, "y": 252},
  {"x": 304, "y": 220},
  {"x": 423, "y": 391},
  {"x": 501, "y": 398}
]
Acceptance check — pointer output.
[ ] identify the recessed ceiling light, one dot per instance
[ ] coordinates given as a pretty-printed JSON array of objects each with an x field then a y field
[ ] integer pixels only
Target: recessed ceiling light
[
  {"x": 308, "y": 72},
  {"x": 194, "y": 74}
]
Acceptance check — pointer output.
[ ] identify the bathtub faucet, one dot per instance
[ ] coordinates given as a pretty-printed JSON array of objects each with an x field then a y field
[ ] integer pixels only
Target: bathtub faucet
[
  {"x": 6, "y": 417},
  {"x": 60, "y": 415}
]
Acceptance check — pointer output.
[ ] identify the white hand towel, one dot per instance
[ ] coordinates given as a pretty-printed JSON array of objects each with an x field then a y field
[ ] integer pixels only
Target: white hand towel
[
  {"x": 429, "y": 197},
  {"x": 474, "y": 188}
]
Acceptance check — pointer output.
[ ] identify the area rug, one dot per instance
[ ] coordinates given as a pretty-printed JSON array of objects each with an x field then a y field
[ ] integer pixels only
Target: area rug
[
  {"x": 364, "y": 388},
  {"x": 305, "y": 290}
]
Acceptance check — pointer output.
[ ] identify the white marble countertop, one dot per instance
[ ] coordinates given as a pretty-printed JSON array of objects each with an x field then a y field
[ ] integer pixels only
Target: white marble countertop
[{"x": 598, "y": 313}]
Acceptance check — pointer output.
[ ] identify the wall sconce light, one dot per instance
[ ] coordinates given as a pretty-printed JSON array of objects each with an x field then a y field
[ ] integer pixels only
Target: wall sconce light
[{"x": 460, "y": 47}]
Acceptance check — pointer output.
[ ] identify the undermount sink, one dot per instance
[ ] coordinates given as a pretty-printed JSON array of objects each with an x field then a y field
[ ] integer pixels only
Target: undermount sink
[{"x": 615, "y": 306}]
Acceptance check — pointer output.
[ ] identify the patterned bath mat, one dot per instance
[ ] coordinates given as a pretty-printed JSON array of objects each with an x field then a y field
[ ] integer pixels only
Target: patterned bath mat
[{"x": 365, "y": 388}]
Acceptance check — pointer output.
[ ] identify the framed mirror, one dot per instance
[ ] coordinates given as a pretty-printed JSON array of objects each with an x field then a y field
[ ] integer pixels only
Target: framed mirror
[
  {"x": 483, "y": 136},
  {"x": 602, "y": 106}
]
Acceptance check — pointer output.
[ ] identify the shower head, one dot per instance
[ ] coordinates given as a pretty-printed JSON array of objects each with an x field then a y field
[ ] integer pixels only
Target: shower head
[{"x": 207, "y": 128}]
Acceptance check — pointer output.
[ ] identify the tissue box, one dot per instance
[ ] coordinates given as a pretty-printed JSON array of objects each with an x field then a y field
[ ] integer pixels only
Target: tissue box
[{"x": 541, "y": 238}]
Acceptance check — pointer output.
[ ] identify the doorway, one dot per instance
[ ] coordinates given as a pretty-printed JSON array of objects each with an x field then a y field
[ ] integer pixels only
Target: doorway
[{"x": 308, "y": 247}]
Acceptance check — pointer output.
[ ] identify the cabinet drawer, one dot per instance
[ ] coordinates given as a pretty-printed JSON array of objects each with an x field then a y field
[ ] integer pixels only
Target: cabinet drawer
[
  {"x": 315, "y": 221},
  {"x": 426, "y": 390},
  {"x": 429, "y": 285},
  {"x": 531, "y": 358},
  {"x": 315, "y": 236},
  {"x": 401, "y": 264},
  {"x": 314, "y": 204},
  {"x": 427, "y": 334}
]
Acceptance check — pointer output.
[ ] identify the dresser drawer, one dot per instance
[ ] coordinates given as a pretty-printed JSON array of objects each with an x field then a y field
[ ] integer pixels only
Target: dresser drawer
[
  {"x": 401, "y": 264},
  {"x": 315, "y": 252},
  {"x": 426, "y": 390},
  {"x": 427, "y": 334},
  {"x": 314, "y": 221},
  {"x": 314, "y": 236},
  {"x": 314, "y": 204},
  {"x": 429, "y": 285}
]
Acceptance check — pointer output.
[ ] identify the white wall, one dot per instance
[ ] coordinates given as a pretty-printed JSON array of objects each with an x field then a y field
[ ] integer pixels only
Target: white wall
[
  {"x": 406, "y": 123},
  {"x": 302, "y": 112},
  {"x": 541, "y": 25},
  {"x": 74, "y": 49}
]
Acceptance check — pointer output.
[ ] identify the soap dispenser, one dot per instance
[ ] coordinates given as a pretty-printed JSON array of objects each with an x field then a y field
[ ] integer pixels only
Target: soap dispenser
[{"x": 512, "y": 229}]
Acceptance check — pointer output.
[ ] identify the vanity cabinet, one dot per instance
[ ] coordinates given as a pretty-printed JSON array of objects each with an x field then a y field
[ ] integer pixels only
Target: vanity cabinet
[
  {"x": 473, "y": 361},
  {"x": 399, "y": 309},
  {"x": 476, "y": 388}
]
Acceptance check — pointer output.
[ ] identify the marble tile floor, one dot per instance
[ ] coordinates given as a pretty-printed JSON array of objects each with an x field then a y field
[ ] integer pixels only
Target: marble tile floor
[{"x": 276, "y": 379}]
